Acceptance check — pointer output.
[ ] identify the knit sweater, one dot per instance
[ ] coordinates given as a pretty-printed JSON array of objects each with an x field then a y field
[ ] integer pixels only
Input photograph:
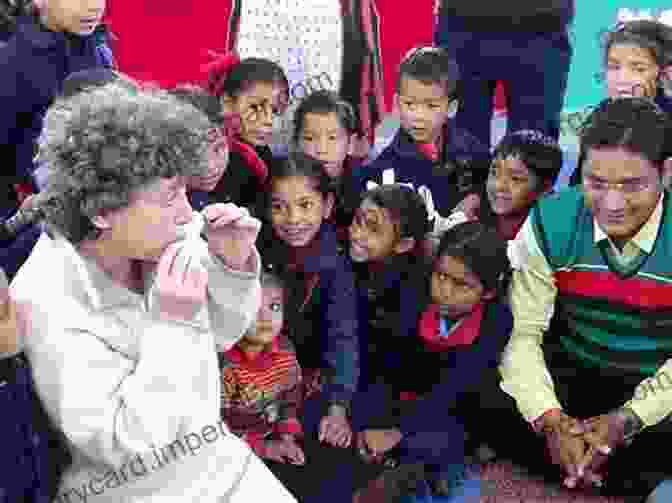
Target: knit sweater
[
  {"x": 618, "y": 314},
  {"x": 261, "y": 394}
]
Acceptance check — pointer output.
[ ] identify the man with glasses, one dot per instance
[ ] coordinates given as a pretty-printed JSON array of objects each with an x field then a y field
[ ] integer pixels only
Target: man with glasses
[{"x": 588, "y": 363}]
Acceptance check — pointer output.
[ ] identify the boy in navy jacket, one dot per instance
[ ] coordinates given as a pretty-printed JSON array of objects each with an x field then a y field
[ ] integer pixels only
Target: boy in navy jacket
[{"x": 443, "y": 163}]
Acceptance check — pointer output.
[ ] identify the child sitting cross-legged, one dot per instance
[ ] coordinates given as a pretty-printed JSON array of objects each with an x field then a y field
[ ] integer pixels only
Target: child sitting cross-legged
[{"x": 261, "y": 401}]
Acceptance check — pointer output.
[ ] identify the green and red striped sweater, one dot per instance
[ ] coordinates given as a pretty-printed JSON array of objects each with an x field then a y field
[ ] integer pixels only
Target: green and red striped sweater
[{"x": 619, "y": 316}]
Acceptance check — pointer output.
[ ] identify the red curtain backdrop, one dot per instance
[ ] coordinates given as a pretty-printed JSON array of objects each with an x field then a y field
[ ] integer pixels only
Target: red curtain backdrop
[{"x": 167, "y": 42}]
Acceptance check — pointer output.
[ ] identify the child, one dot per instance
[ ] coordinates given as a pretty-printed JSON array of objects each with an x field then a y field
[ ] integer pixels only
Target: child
[
  {"x": 461, "y": 335},
  {"x": 525, "y": 166},
  {"x": 637, "y": 61},
  {"x": 46, "y": 45},
  {"x": 299, "y": 244},
  {"x": 442, "y": 163},
  {"x": 261, "y": 399},
  {"x": 325, "y": 128},
  {"x": 253, "y": 93},
  {"x": 201, "y": 188},
  {"x": 31, "y": 447},
  {"x": 385, "y": 234}
]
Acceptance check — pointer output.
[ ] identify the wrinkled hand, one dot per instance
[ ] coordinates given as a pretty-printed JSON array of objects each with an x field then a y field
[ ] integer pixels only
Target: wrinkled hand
[
  {"x": 470, "y": 206},
  {"x": 566, "y": 445},
  {"x": 218, "y": 161},
  {"x": 231, "y": 234},
  {"x": 373, "y": 444},
  {"x": 9, "y": 320},
  {"x": 335, "y": 428},
  {"x": 285, "y": 450},
  {"x": 179, "y": 290}
]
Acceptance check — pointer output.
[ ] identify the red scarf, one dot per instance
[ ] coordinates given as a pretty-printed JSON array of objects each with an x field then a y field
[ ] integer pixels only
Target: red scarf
[{"x": 463, "y": 335}]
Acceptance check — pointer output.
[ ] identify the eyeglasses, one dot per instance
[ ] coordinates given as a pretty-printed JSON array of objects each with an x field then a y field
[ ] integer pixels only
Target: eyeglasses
[{"x": 627, "y": 188}]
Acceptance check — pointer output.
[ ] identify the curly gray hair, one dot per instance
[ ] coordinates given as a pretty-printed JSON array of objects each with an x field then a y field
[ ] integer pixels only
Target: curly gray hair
[{"x": 104, "y": 145}]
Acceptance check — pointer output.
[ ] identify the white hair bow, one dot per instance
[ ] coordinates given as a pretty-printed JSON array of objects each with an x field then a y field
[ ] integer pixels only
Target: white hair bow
[{"x": 626, "y": 15}]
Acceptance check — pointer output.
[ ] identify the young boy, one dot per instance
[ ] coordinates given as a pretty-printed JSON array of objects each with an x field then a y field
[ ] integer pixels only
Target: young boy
[
  {"x": 47, "y": 44},
  {"x": 30, "y": 447},
  {"x": 525, "y": 167},
  {"x": 442, "y": 163}
]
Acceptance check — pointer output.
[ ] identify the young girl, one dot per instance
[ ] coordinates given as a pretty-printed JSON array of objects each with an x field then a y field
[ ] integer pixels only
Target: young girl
[
  {"x": 526, "y": 164},
  {"x": 253, "y": 93},
  {"x": 638, "y": 62},
  {"x": 460, "y": 336},
  {"x": 261, "y": 400},
  {"x": 325, "y": 128},
  {"x": 299, "y": 244}
]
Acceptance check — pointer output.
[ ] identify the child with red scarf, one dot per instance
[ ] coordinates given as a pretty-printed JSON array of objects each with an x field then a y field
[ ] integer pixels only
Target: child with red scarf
[
  {"x": 460, "y": 336},
  {"x": 252, "y": 92}
]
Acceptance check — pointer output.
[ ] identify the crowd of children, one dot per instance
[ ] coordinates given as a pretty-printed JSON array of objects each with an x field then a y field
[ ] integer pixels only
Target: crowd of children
[{"x": 391, "y": 291}]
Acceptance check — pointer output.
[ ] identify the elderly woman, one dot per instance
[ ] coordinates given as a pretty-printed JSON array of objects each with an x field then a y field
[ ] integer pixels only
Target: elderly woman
[{"x": 127, "y": 297}]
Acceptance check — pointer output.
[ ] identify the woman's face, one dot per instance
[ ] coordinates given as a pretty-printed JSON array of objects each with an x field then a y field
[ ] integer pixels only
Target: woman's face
[
  {"x": 631, "y": 71},
  {"x": 153, "y": 220}
]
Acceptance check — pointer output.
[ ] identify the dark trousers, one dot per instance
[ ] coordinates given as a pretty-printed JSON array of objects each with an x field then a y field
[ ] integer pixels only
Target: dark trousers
[
  {"x": 438, "y": 442},
  {"x": 533, "y": 66},
  {"x": 583, "y": 392},
  {"x": 330, "y": 474}
]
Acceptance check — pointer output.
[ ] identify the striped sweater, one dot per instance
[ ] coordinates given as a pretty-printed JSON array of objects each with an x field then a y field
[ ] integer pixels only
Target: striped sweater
[
  {"x": 261, "y": 394},
  {"x": 618, "y": 315}
]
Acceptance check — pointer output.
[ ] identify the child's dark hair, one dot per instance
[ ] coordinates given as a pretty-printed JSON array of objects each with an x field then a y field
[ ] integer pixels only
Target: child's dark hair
[
  {"x": 234, "y": 77},
  {"x": 653, "y": 36},
  {"x": 201, "y": 99},
  {"x": 482, "y": 250},
  {"x": 432, "y": 65},
  {"x": 325, "y": 102},
  {"x": 299, "y": 164},
  {"x": 540, "y": 153},
  {"x": 635, "y": 124},
  {"x": 405, "y": 206}
]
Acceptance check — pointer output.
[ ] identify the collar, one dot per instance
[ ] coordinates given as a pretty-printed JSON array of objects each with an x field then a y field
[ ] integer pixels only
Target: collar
[
  {"x": 405, "y": 146},
  {"x": 646, "y": 237},
  {"x": 239, "y": 357},
  {"x": 30, "y": 29}
]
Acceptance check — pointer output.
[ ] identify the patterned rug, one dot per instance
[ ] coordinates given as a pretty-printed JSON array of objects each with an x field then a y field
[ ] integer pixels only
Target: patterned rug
[{"x": 503, "y": 482}]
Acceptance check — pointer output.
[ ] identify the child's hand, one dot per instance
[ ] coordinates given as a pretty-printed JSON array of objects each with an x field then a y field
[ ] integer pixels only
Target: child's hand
[
  {"x": 335, "y": 428},
  {"x": 373, "y": 444},
  {"x": 285, "y": 450}
]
